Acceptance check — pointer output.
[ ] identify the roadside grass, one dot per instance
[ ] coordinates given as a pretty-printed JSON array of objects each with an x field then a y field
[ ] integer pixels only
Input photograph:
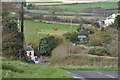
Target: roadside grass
[
  {"x": 12, "y": 69},
  {"x": 87, "y": 68},
  {"x": 31, "y": 33}
]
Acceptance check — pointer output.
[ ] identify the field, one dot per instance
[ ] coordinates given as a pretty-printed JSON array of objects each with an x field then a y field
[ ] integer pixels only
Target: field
[
  {"x": 79, "y": 7},
  {"x": 31, "y": 33}
]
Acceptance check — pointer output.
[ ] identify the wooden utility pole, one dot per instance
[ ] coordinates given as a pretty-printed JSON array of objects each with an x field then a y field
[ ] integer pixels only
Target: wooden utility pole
[{"x": 22, "y": 22}]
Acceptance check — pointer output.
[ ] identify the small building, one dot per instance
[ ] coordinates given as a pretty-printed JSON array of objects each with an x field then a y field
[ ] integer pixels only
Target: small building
[
  {"x": 30, "y": 52},
  {"x": 107, "y": 21},
  {"x": 83, "y": 38}
]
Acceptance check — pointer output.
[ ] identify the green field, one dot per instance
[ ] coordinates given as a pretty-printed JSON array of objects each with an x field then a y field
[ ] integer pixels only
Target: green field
[
  {"x": 30, "y": 30},
  {"x": 106, "y": 5},
  {"x": 18, "y": 69}
]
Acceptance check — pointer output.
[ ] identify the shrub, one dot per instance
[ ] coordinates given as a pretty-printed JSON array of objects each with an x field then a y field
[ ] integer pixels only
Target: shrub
[
  {"x": 64, "y": 50},
  {"x": 71, "y": 36},
  {"x": 99, "y": 51},
  {"x": 47, "y": 44},
  {"x": 99, "y": 38}
]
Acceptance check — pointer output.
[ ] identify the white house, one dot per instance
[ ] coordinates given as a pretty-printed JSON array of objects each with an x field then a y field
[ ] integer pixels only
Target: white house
[
  {"x": 107, "y": 21},
  {"x": 30, "y": 52}
]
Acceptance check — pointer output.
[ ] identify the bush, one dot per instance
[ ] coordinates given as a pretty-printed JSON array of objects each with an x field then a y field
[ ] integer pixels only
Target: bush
[
  {"x": 47, "y": 44},
  {"x": 99, "y": 38},
  {"x": 71, "y": 36},
  {"x": 99, "y": 51}
]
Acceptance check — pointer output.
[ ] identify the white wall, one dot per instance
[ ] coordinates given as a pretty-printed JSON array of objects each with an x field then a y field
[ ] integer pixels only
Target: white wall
[{"x": 32, "y": 55}]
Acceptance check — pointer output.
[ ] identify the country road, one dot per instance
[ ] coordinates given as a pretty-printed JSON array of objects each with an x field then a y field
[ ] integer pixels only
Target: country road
[{"x": 94, "y": 75}]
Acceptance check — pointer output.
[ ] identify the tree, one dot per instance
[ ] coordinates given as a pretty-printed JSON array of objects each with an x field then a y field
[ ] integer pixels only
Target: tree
[
  {"x": 11, "y": 39},
  {"x": 47, "y": 44},
  {"x": 117, "y": 22},
  {"x": 71, "y": 36},
  {"x": 100, "y": 38}
]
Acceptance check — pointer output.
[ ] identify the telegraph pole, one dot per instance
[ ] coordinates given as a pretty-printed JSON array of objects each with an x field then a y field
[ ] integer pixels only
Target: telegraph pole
[{"x": 22, "y": 21}]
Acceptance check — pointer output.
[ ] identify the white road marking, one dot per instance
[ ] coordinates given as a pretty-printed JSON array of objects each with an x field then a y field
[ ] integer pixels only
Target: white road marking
[
  {"x": 99, "y": 72},
  {"x": 75, "y": 76},
  {"x": 110, "y": 76}
]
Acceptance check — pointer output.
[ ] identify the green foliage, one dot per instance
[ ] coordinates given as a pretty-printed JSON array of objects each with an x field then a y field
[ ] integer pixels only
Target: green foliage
[
  {"x": 47, "y": 44},
  {"x": 11, "y": 37},
  {"x": 117, "y": 22},
  {"x": 71, "y": 36},
  {"x": 99, "y": 51}
]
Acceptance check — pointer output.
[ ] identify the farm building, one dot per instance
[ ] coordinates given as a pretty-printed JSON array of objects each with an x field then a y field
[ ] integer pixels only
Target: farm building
[
  {"x": 107, "y": 21},
  {"x": 30, "y": 52}
]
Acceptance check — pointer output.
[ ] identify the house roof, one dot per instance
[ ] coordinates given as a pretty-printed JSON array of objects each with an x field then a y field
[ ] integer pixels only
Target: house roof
[
  {"x": 82, "y": 36},
  {"x": 28, "y": 48}
]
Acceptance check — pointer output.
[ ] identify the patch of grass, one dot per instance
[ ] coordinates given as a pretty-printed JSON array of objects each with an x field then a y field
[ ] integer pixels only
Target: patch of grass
[
  {"x": 78, "y": 68},
  {"x": 31, "y": 71},
  {"x": 30, "y": 30}
]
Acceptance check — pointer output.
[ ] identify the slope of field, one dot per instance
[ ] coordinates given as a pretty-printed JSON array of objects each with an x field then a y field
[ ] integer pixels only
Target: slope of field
[{"x": 31, "y": 33}]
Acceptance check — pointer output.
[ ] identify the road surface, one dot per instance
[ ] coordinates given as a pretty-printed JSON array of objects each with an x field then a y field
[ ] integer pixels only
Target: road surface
[{"x": 94, "y": 75}]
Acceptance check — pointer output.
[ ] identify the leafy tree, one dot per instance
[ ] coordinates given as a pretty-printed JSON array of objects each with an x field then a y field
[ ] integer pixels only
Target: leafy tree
[
  {"x": 117, "y": 22},
  {"x": 99, "y": 38},
  {"x": 11, "y": 37},
  {"x": 71, "y": 36},
  {"x": 47, "y": 44}
]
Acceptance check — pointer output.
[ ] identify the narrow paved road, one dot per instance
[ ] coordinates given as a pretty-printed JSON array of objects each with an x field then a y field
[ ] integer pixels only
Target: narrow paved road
[{"x": 94, "y": 75}]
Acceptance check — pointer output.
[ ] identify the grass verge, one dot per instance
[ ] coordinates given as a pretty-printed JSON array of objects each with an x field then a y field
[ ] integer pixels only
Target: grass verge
[
  {"x": 18, "y": 69},
  {"x": 78, "y": 68}
]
